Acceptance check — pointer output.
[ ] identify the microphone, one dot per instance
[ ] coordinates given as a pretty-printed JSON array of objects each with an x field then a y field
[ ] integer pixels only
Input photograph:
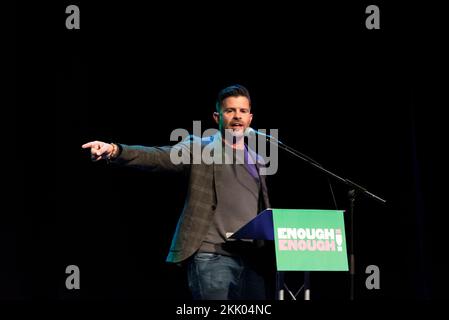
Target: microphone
[{"x": 250, "y": 131}]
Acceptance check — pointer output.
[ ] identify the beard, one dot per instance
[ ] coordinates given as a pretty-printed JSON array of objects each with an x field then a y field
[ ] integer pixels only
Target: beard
[{"x": 233, "y": 136}]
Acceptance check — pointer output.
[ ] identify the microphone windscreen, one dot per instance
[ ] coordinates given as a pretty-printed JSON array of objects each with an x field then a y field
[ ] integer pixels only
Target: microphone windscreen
[{"x": 248, "y": 131}]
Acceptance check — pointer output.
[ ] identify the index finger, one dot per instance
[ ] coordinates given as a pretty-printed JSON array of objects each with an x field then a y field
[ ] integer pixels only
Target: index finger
[{"x": 87, "y": 145}]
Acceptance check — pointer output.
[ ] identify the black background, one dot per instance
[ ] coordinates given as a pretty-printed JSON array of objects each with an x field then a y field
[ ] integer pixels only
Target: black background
[{"x": 361, "y": 102}]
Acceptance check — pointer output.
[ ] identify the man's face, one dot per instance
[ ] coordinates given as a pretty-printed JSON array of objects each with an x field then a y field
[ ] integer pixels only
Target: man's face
[{"x": 235, "y": 115}]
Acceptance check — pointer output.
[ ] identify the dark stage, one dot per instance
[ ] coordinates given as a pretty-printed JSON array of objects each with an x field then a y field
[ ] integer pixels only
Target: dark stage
[{"x": 358, "y": 101}]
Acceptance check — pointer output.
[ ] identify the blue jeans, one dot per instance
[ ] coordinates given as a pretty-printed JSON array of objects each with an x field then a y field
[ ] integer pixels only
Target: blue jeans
[{"x": 213, "y": 276}]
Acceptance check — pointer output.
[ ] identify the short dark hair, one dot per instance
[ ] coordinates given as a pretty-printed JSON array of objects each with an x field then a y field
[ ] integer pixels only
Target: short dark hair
[{"x": 235, "y": 90}]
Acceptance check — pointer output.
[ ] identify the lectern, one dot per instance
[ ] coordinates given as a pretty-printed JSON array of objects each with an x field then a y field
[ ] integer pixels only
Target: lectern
[{"x": 305, "y": 240}]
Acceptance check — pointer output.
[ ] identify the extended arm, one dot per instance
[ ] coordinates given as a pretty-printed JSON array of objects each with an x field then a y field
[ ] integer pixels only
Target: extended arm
[{"x": 146, "y": 158}]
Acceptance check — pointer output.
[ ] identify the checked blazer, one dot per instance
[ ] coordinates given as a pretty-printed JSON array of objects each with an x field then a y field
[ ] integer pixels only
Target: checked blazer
[{"x": 201, "y": 199}]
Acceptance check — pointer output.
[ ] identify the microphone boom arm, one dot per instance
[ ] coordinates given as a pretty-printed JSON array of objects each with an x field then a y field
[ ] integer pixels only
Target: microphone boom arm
[{"x": 318, "y": 166}]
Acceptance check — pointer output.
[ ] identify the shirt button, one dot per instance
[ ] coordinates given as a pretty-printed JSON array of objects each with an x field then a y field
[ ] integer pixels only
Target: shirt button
[{"x": 214, "y": 207}]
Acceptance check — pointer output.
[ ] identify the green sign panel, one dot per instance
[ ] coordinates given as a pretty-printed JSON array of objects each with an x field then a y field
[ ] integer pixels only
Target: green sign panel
[{"x": 310, "y": 240}]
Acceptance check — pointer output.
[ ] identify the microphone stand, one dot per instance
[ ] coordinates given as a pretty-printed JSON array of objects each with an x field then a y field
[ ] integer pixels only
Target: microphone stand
[{"x": 354, "y": 190}]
